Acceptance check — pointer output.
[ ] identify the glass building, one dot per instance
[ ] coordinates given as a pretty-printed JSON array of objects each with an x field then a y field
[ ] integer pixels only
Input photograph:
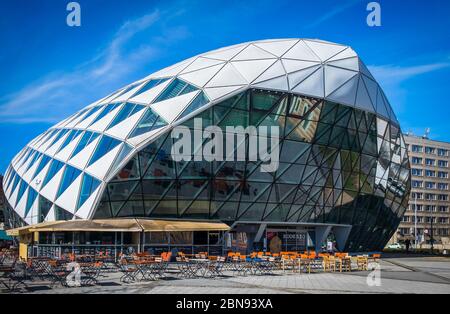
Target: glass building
[{"x": 343, "y": 170}]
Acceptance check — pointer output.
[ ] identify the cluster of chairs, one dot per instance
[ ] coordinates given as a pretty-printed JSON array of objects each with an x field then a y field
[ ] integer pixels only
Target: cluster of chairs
[
  {"x": 326, "y": 262},
  {"x": 15, "y": 273},
  {"x": 18, "y": 275},
  {"x": 12, "y": 271},
  {"x": 143, "y": 266},
  {"x": 200, "y": 265},
  {"x": 257, "y": 263},
  {"x": 64, "y": 272}
]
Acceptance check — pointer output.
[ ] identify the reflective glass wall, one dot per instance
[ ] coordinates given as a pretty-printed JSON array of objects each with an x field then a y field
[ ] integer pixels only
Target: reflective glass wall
[{"x": 337, "y": 165}]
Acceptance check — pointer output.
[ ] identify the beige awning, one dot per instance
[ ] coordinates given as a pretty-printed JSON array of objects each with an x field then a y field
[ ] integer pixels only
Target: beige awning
[
  {"x": 178, "y": 225},
  {"x": 120, "y": 225},
  {"x": 24, "y": 230},
  {"x": 107, "y": 225}
]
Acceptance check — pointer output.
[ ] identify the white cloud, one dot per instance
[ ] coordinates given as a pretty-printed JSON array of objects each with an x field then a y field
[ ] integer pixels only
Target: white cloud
[
  {"x": 394, "y": 75},
  {"x": 392, "y": 79},
  {"x": 60, "y": 94}
]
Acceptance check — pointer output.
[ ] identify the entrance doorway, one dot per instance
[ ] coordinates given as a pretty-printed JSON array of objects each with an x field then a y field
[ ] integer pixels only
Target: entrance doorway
[{"x": 285, "y": 240}]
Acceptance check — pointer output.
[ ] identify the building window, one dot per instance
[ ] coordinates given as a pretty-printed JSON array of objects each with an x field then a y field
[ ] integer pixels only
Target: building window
[
  {"x": 443, "y": 163},
  {"x": 417, "y": 172},
  {"x": 443, "y": 186},
  {"x": 430, "y": 185},
  {"x": 443, "y": 209},
  {"x": 443, "y": 175},
  {"x": 442, "y": 152},
  {"x": 430, "y": 162},
  {"x": 430, "y": 197},
  {"x": 417, "y": 149},
  {"x": 430, "y": 150},
  {"x": 443, "y": 197},
  {"x": 417, "y": 160},
  {"x": 443, "y": 232},
  {"x": 430, "y": 173},
  {"x": 430, "y": 208},
  {"x": 417, "y": 196},
  {"x": 418, "y": 207},
  {"x": 417, "y": 184}
]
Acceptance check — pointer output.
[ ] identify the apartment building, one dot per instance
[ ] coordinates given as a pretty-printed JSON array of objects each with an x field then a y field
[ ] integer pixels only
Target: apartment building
[{"x": 429, "y": 199}]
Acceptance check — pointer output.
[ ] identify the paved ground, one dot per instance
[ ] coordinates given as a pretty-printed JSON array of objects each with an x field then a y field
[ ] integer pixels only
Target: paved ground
[{"x": 419, "y": 275}]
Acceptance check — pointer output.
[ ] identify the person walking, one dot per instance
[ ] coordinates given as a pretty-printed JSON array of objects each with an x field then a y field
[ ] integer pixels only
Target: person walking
[{"x": 408, "y": 244}]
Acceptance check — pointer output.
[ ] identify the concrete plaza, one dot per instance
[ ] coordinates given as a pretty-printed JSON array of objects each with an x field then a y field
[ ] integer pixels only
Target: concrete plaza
[{"x": 418, "y": 275}]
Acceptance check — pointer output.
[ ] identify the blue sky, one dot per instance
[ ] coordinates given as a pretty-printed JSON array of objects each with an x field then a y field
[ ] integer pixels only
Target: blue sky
[{"x": 50, "y": 70}]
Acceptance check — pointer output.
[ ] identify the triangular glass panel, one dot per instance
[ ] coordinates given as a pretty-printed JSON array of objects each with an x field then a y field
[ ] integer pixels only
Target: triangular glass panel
[
  {"x": 121, "y": 191},
  {"x": 88, "y": 137},
  {"x": 88, "y": 186},
  {"x": 150, "y": 84},
  {"x": 70, "y": 174},
  {"x": 12, "y": 178},
  {"x": 150, "y": 121},
  {"x": 32, "y": 195},
  {"x": 252, "y": 212},
  {"x": 254, "y": 191},
  {"x": 278, "y": 214},
  {"x": 175, "y": 88},
  {"x": 105, "y": 145},
  {"x": 58, "y": 137},
  {"x": 15, "y": 183},
  {"x": 72, "y": 135},
  {"x": 264, "y": 101},
  {"x": 33, "y": 160},
  {"x": 52, "y": 171},
  {"x": 127, "y": 110},
  {"x": 44, "y": 208},
  {"x": 199, "y": 101},
  {"x": 107, "y": 109},
  {"x": 22, "y": 188},
  {"x": 61, "y": 214},
  {"x": 90, "y": 113},
  {"x": 132, "y": 168}
]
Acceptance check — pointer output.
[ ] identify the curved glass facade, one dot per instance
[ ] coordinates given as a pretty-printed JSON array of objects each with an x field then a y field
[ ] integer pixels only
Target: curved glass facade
[
  {"x": 338, "y": 165},
  {"x": 342, "y": 166}
]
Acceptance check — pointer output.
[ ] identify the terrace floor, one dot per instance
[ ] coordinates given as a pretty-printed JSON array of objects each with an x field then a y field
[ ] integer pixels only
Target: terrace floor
[{"x": 419, "y": 275}]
